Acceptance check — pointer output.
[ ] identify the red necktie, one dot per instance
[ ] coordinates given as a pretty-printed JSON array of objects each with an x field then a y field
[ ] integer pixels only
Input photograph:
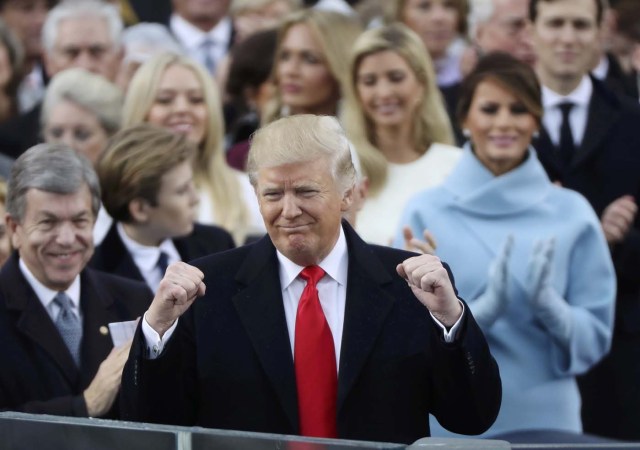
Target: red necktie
[{"x": 315, "y": 362}]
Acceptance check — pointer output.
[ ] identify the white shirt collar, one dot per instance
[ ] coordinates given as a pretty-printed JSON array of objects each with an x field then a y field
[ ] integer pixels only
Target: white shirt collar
[
  {"x": 580, "y": 96},
  {"x": 602, "y": 69},
  {"x": 192, "y": 37},
  {"x": 46, "y": 295},
  {"x": 335, "y": 264},
  {"x": 146, "y": 257}
]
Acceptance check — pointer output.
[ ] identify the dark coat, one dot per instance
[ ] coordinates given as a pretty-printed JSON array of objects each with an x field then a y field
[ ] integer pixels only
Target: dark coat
[
  {"x": 229, "y": 363},
  {"x": 113, "y": 257},
  {"x": 604, "y": 168},
  {"x": 38, "y": 374}
]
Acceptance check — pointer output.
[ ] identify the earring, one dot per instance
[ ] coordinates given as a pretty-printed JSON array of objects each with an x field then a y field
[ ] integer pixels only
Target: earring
[
  {"x": 536, "y": 134},
  {"x": 466, "y": 133}
]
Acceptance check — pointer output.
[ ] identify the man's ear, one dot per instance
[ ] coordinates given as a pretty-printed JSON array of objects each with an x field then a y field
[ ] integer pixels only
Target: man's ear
[
  {"x": 347, "y": 199},
  {"x": 12, "y": 225},
  {"x": 139, "y": 210}
]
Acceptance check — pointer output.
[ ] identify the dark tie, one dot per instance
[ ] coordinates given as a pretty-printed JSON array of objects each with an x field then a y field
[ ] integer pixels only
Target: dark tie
[
  {"x": 68, "y": 325},
  {"x": 163, "y": 263},
  {"x": 315, "y": 362},
  {"x": 567, "y": 145}
]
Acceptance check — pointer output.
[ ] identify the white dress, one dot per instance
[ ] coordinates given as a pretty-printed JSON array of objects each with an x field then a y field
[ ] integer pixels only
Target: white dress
[{"x": 378, "y": 219}]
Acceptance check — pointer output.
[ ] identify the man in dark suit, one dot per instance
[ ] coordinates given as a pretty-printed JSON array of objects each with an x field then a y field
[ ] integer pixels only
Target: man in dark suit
[
  {"x": 372, "y": 345},
  {"x": 147, "y": 184},
  {"x": 56, "y": 352},
  {"x": 590, "y": 142}
]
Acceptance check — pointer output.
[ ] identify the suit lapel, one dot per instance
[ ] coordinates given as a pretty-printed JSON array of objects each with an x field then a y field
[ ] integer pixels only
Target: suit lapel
[
  {"x": 366, "y": 310},
  {"x": 98, "y": 312},
  {"x": 34, "y": 321},
  {"x": 602, "y": 116},
  {"x": 260, "y": 308},
  {"x": 116, "y": 259}
]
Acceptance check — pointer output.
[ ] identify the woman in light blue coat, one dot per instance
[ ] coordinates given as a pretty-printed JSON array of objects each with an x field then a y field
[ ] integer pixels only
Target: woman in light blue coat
[{"x": 529, "y": 256}]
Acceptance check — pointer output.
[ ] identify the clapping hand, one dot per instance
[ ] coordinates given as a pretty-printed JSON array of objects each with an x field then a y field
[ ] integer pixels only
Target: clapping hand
[
  {"x": 413, "y": 244},
  {"x": 495, "y": 299},
  {"x": 548, "y": 306}
]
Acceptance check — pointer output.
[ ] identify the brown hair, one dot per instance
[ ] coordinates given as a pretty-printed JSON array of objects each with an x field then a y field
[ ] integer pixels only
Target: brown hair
[
  {"x": 512, "y": 74},
  {"x": 533, "y": 9},
  {"x": 334, "y": 31},
  {"x": 133, "y": 165},
  {"x": 395, "y": 8}
]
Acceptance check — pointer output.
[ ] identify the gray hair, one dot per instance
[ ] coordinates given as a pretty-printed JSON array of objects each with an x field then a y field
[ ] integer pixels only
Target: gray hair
[
  {"x": 78, "y": 9},
  {"x": 52, "y": 168},
  {"x": 92, "y": 92},
  {"x": 145, "y": 40},
  {"x": 301, "y": 138},
  {"x": 480, "y": 12}
]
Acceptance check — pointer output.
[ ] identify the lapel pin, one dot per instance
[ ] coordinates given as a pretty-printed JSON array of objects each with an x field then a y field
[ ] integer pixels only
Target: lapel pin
[{"x": 104, "y": 330}]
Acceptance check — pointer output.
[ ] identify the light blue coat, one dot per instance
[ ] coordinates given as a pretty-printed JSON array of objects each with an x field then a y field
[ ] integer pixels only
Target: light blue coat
[{"x": 470, "y": 215}]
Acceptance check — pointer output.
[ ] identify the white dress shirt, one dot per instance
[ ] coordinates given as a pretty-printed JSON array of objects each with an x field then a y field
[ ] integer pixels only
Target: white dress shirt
[
  {"x": 552, "y": 118},
  {"x": 192, "y": 38},
  {"x": 332, "y": 292},
  {"x": 146, "y": 258},
  {"x": 46, "y": 295}
]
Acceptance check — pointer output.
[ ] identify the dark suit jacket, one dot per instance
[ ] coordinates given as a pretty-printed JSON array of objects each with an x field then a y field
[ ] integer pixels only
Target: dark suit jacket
[
  {"x": 37, "y": 374},
  {"x": 618, "y": 81},
  {"x": 604, "y": 168},
  {"x": 229, "y": 363},
  {"x": 21, "y": 132},
  {"x": 113, "y": 257}
]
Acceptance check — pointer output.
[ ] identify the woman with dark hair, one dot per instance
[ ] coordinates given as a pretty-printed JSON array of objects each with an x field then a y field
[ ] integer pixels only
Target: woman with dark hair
[
  {"x": 249, "y": 87},
  {"x": 546, "y": 302},
  {"x": 11, "y": 72}
]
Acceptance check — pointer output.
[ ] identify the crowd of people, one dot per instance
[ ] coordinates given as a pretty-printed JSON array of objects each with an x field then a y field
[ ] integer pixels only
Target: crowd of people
[{"x": 287, "y": 146}]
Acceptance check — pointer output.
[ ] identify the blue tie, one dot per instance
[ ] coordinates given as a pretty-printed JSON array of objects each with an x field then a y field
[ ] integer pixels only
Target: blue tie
[
  {"x": 163, "y": 263},
  {"x": 206, "y": 46},
  {"x": 68, "y": 325}
]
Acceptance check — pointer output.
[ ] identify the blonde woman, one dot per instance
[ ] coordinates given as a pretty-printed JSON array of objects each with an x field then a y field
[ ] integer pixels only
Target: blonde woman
[
  {"x": 395, "y": 117},
  {"x": 176, "y": 93},
  {"x": 310, "y": 69}
]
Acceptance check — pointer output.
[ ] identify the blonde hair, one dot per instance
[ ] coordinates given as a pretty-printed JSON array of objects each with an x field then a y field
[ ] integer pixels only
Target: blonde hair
[
  {"x": 211, "y": 171},
  {"x": 333, "y": 31},
  {"x": 430, "y": 124},
  {"x": 301, "y": 138}
]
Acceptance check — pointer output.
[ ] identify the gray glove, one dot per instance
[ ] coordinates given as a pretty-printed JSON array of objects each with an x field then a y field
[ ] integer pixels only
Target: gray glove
[
  {"x": 495, "y": 299},
  {"x": 548, "y": 306}
]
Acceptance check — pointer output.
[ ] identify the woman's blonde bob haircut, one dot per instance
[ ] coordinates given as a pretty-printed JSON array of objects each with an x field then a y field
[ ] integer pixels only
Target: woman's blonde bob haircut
[
  {"x": 430, "y": 124},
  {"x": 211, "y": 172},
  {"x": 333, "y": 31}
]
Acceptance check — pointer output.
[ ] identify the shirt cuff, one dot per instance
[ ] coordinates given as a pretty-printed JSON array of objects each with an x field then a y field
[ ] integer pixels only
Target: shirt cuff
[
  {"x": 155, "y": 343},
  {"x": 451, "y": 334}
]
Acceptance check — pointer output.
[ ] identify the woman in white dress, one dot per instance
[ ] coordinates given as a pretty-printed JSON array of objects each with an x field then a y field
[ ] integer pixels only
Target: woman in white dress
[{"x": 395, "y": 117}]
